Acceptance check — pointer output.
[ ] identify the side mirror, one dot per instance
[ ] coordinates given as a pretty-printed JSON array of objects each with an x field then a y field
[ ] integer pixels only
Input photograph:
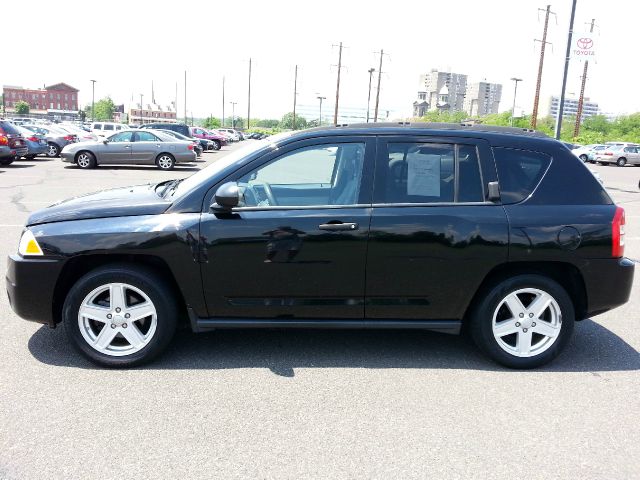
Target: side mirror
[
  {"x": 105, "y": 140},
  {"x": 493, "y": 193},
  {"x": 227, "y": 196}
]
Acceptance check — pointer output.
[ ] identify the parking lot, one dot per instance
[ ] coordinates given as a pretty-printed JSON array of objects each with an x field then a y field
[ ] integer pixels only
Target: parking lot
[{"x": 310, "y": 404}]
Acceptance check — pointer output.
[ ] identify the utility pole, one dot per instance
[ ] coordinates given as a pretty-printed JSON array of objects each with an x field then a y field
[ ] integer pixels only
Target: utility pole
[
  {"x": 93, "y": 99},
  {"x": 566, "y": 72},
  {"x": 141, "y": 121},
  {"x": 223, "y": 120},
  {"x": 371, "y": 70},
  {"x": 320, "y": 119},
  {"x": 536, "y": 99},
  {"x": 175, "y": 106},
  {"x": 295, "y": 96},
  {"x": 335, "y": 114},
  {"x": 233, "y": 114},
  {"x": 515, "y": 92},
  {"x": 249, "y": 97},
  {"x": 576, "y": 130},
  {"x": 185, "y": 97},
  {"x": 375, "y": 115}
]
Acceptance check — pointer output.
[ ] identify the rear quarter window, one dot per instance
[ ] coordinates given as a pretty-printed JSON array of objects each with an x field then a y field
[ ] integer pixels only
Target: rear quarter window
[{"x": 519, "y": 172}]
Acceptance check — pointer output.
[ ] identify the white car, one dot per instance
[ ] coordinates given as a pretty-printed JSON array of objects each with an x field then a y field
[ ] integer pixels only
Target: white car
[
  {"x": 104, "y": 129},
  {"x": 83, "y": 135},
  {"x": 583, "y": 152},
  {"x": 231, "y": 133}
]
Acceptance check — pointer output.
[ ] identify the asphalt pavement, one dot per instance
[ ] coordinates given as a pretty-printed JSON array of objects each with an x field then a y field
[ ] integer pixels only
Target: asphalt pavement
[{"x": 310, "y": 404}]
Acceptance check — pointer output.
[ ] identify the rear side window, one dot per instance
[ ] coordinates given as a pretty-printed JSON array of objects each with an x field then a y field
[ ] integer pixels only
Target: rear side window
[{"x": 519, "y": 172}]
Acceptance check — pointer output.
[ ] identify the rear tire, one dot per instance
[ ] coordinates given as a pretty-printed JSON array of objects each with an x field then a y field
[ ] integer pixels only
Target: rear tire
[
  {"x": 53, "y": 150},
  {"x": 6, "y": 161},
  {"x": 583, "y": 157},
  {"x": 30, "y": 157},
  {"x": 523, "y": 339},
  {"x": 165, "y": 161},
  {"x": 141, "y": 288},
  {"x": 216, "y": 145},
  {"x": 621, "y": 162}
]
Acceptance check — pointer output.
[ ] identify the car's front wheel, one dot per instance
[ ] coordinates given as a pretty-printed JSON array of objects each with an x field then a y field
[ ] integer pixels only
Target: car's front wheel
[
  {"x": 524, "y": 321},
  {"x": 86, "y": 160},
  {"x": 583, "y": 157},
  {"x": 216, "y": 145},
  {"x": 621, "y": 162},
  {"x": 120, "y": 316},
  {"x": 7, "y": 160}
]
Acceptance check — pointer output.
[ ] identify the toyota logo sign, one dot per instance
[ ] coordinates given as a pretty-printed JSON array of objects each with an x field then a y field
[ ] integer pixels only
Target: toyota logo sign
[{"x": 585, "y": 43}]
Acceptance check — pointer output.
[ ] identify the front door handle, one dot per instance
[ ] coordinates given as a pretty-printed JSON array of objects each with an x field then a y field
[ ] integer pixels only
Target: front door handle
[
  {"x": 127, "y": 146},
  {"x": 335, "y": 227}
]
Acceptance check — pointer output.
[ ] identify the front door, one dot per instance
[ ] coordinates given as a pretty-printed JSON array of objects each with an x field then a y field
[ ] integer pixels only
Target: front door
[
  {"x": 146, "y": 147},
  {"x": 117, "y": 149},
  {"x": 296, "y": 246},
  {"x": 434, "y": 235}
]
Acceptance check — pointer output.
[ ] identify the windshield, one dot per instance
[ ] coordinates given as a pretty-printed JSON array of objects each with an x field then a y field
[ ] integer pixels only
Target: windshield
[{"x": 196, "y": 179}]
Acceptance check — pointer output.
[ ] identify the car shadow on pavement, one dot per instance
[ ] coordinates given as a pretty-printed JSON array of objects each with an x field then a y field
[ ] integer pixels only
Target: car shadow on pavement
[
  {"x": 178, "y": 168},
  {"x": 14, "y": 165},
  {"x": 593, "y": 348}
]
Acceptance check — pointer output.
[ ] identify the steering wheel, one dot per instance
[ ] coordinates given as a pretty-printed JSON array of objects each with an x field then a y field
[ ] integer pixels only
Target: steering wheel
[{"x": 267, "y": 190}]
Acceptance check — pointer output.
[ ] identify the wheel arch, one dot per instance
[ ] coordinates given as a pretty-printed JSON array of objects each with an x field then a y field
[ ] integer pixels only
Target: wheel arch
[
  {"x": 75, "y": 157},
  {"x": 566, "y": 274},
  {"x": 80, "y": 265}
]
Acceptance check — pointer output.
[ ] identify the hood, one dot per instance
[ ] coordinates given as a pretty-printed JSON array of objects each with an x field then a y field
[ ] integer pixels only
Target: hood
[{"x": 116, "y": 202}]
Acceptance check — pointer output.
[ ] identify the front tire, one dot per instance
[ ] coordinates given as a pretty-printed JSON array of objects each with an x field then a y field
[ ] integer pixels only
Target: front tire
[
  {"x": 216, "y": 145},
  {"x": 6, "y": 161},
  {"x": 120, "y": 316},
  {"x": 621, "y": 162},
  {"x": 165, "y": 161},
  {"x": 86, "y": 160},
  {"x": 524, "y": 321},
  {"x": 583, "y": 157}
]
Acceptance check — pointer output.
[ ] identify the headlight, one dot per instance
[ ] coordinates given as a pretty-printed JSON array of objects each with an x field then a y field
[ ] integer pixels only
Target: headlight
[{"x": 29, "y": 245}]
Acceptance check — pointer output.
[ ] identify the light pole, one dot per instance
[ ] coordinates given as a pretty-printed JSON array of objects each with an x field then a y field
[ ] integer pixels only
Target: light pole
[
  {"x": 371, "y": 70},
  {"x": 321, "y": 99},
  {"x": 93, "y": 98},
  {"x": 233, "y": 114},
  {"x": 141, "y": 121},
  {"x": 515, "y": 92}
]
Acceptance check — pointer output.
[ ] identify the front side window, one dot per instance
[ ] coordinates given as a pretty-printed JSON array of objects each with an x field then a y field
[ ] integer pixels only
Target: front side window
[
  {"x": 108, "y": 127},
  {"x": 318, "y": 175},
  {"x": 121, "y": 137}
]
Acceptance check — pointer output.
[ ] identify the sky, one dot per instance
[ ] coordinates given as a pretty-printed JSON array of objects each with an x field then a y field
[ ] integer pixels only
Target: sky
[{"x": 127, "y": 45}]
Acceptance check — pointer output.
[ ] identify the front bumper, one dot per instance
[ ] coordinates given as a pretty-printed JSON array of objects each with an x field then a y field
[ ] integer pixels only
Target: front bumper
[
  {"x": 68, "y": 156},
  {"x": 31, "y": 284}
]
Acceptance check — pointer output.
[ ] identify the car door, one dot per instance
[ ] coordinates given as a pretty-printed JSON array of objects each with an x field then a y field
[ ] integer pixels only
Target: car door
[
  {"x": 296, "y": 245},
  {"x": 434, "y": 236},
  {"x": 117, "y": 149},
  {"x": 145, "y": 148}
]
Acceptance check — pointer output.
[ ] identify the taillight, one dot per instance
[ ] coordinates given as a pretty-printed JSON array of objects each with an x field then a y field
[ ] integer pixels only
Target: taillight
[
  {"x": 69, "y": 138},
  {"x": 4, "y": 140},
  {"x": 190, "y": 147},
  {"x": 617, "y": 233},
  {"x": 608, "y": 153},
  {"x": 32, "y": 139}
]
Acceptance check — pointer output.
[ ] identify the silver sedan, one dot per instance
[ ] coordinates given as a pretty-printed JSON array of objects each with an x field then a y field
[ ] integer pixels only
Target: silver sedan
[{"x": 140, "y": 147}]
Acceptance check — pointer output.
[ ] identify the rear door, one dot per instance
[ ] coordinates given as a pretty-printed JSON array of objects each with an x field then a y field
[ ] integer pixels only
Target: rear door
[
  {"x": 145, "y": 148},
  {"x": 433, "y": 235}
]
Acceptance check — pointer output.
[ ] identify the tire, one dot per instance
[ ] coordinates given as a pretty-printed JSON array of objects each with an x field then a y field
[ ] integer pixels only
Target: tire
[
  {"x": 493, "y": 315},
  {"x": 86, "y": 160},
  {"x": 165, "y": 161},
  {"x": 150, "y": 334},
  {"x": 583, "y": 157},
  {"x": 621, "y": 162},
  {"x": 216, "y": 145},
  {"x": 30, "y": 157},
  {"x": 53, "y": 150},
  {"x": 6, "y": 161}
]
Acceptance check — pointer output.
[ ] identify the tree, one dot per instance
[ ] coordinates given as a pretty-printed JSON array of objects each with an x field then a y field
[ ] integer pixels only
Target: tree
[
  {"x": 104, "y": 109},
  {"x": 267, "y": 123},
  {"x": 237, "y": 122},
  {"x": 211, "y": 122},
  {"x": 21, "y": 107},
  {"x": 287, "y": 122},
  {"x": 444, "y": 116}
]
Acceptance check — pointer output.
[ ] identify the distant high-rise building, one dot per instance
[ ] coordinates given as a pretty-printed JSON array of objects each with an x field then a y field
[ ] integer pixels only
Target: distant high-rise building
[
  {"x": 482, "y": 98},
  {"x": 589, "y": 108},
  {"x": 442, "y": 91}
]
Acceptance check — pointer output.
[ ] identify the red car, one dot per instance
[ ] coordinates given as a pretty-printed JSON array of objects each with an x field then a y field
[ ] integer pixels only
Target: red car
[
  {"x": 218, "y": 140},
  {"x": 12, "y": 143}
]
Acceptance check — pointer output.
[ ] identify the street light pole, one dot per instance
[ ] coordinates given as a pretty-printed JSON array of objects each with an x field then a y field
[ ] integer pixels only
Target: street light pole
[
  {"x": 233, "y": 114},
  {"x": 566, "y": 72},
  {"x": 515, "y": 92},
  {"x": 320, "y": 119},
  {"x": 141, "y": 121},
  {"x": 93, "y": 98},
  {"x": 371, "y": 70}
]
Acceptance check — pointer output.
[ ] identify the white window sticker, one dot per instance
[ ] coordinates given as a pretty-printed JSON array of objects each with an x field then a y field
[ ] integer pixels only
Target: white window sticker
[{"x": 423, "y": 174}]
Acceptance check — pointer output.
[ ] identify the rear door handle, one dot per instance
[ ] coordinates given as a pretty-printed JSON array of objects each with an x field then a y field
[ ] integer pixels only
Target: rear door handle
[{"x": 335, "y": 227}]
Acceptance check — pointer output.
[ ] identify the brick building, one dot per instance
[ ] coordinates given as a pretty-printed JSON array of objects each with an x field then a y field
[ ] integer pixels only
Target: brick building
[{"x": 59, "y": 100}]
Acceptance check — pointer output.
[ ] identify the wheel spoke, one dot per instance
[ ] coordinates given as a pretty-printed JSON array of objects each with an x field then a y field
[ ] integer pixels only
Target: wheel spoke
[
  {"x": 105, "y": 337},
  {"x": 523, "y": 344},
  {"x": 117, "y": 295},
  {"x": 515, "y": 305},
  {"x": 506, "y": 327},
  {"x": 94, "y": 313},
  {"x": 133, "y": 335},
  {"x": 545, "y": 328},
  {"x": 539, "y": 305},
  {"x": 141, "y": 311}
]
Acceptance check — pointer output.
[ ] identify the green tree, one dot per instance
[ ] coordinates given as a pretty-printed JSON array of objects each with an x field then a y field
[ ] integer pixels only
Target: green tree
[
  {"x": 287, "y": 122},
  {"x": 21, "y": 107},
  {"x": 237, "y": 122},
  {"x": 211, "y": 122},
  {"x": 267, "y": 123},
  {"x": 103, "y": 109},
  {"x": 444, "y": 116}
]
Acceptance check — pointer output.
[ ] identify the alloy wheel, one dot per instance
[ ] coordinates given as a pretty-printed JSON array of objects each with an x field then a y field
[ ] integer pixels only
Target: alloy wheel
[
  {"x": 84, "y": 160},
  {"x": 165, "y": 162}
]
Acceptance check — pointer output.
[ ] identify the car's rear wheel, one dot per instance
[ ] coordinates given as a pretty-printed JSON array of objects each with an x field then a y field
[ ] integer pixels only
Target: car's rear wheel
[
  {"x": 165, "y": 161},
  {"x": 583, "y": 157},
  {"x": 30, "y": 157},
  {"x": 621, "y": 162},
  {"x": 86, "y": 160},
  {"x": 120, "y": 316},
  {"x": 7, "y": 160},
  {"x": 524, "y": 321},
  {"x": 53, "y": 150},
  {"x": 216, "y": 145}
]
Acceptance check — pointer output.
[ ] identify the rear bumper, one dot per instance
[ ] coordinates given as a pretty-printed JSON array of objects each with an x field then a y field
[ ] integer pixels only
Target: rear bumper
[
  {"x": 30, "y": 286},
  {"x": 190, "y": 156},
  {"x": 608, "y": 283}
]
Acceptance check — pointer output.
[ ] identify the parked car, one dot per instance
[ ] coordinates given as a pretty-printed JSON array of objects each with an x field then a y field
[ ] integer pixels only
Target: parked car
[
  {"x": 104, "y": 129},
  {"x": 591, "y": 156},
  {"x": 12, "y": 143},
  {"x": 182, "y": 128},
  {"x": 140, "y": 147},
  {"x": 218, "y": 140},
  {"x": 620, "y": 155},
  {"x": 57, "y": 139},
  {"x": 231, "y": 132},
  {"x": 82, "y": 134},
  {"x": 582, "y": 152},
  {"x": 197, "y": 147},
  {"x": 367, "y": 226},
  {"x": 36, "y": 143}
]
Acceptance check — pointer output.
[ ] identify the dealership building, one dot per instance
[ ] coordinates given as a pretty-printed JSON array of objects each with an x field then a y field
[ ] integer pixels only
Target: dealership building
[{"x": 56, "y": 102}]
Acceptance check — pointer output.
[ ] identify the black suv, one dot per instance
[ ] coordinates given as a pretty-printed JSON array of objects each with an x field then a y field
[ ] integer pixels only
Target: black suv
[
  {"x": 502, "y": 232},
  {"x": 181, "y": 128}
]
